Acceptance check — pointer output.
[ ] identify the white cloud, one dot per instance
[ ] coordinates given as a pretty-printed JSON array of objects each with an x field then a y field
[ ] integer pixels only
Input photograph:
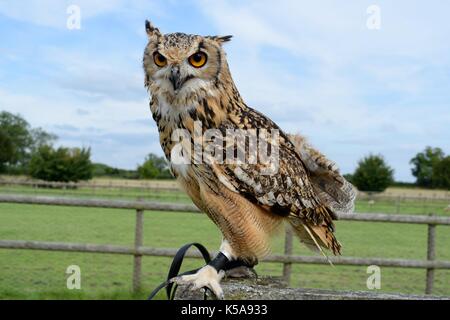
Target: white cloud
[
  {"x": 110, "y": 127},
  {"x": 313, "y": 67},
  {"x": 107, "y": 115},
  {"x": 329, "y": 29},
  {"x": 351, "y": 90},
  {"x": 93, "y": 75},
  {"x": 53, "y": 13}
]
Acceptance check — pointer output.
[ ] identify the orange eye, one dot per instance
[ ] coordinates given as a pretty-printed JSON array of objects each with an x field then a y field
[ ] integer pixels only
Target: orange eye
[
  {"x": 159, "y": 59},
  {"x": 198, "y": 59}
]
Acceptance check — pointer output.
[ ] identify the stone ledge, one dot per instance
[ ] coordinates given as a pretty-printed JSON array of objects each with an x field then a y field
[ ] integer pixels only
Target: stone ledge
[{"x": 274, "y": 289}]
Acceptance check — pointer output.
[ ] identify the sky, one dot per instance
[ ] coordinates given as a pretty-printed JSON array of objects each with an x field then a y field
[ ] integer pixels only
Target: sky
[{"x": 355, "y": 77}]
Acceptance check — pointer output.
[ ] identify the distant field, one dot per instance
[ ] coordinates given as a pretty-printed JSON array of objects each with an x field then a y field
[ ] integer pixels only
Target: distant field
[
  {"x": 38, "y": 274},
  {"x": 416, "y": 192}
]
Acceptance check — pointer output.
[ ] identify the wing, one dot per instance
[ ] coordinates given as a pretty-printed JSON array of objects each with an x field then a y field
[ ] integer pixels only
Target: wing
[
  {"x": 331, "y": 187},
  {"x": 285, "y": 191}
]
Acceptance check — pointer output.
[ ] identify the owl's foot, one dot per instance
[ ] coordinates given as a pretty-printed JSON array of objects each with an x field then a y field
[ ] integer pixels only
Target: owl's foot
[{"x": 206, "y": 277}]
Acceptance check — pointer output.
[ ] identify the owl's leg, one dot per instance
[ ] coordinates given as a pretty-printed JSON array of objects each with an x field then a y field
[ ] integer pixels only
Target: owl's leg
[{"x": 211, "y": 274}]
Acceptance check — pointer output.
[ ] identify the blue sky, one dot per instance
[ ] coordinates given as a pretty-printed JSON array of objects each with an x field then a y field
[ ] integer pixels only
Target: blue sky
[{"x": 313, "y": 67}]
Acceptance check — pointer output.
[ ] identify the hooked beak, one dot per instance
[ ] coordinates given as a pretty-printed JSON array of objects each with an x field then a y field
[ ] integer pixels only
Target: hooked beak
[{"x": 175, "y": 78}]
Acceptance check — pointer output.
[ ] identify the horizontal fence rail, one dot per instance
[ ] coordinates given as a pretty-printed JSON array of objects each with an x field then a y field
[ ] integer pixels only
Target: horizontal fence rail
[
  {"x": 287, "y": 259},
  {"x": 99, "y": 185},
  {"x": 98, "y": 203},
  {"x": 170, "y": 252},
  {"x": 156, "y": 206},
  {"x": 171, "y": 186}
]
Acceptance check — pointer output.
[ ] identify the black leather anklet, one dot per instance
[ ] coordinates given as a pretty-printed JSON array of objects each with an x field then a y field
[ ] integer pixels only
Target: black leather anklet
[
  {"x": 219, "y": 262},
  {"x": 238, "y": 263}
]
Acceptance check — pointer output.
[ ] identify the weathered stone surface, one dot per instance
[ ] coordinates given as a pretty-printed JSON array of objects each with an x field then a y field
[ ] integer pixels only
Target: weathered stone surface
[{"x": 274, "y": 289}]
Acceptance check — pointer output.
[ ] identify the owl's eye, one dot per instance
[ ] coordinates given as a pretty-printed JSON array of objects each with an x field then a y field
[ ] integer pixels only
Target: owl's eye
[
  {"x": 159, "y": 59},
  {"x": 198, "y": 59}
]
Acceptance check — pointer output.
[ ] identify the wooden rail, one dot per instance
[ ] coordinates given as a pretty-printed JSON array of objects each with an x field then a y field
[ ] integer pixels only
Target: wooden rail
[
  {"x": 170, "y": 252},
  {"x": 173, "y": 187},
  {"x": 176, "y": 207},
  {"x": 90, "y": 185},
  {"x": 287, "y": 258}
]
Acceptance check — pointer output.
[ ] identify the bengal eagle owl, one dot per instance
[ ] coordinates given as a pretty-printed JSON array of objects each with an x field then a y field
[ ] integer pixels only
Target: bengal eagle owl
[{"x": 192, "y": 89}]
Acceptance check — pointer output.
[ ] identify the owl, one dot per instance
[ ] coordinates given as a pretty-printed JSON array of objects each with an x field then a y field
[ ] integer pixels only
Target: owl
[{"x": 196, "y": 105}]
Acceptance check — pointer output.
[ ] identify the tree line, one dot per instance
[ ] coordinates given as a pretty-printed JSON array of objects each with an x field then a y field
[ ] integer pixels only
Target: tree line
[
  {"x": 31, "y": 151},
  {"x": 431, "y": 168}
]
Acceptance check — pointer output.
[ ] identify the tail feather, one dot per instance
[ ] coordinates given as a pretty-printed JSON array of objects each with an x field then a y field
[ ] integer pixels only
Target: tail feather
[
  {"x": 328, "y": 238},
  {"x": 315, "y": 237},
  {"x": 336, "y": 195},
  {"x": 310, "y": 233}
]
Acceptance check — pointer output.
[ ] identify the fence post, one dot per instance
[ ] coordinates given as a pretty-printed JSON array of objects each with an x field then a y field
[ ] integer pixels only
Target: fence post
[
  {"x": 397, "y": 205},
  {"x": 287, "y": 266},
  {"x": 138, "y": 241},
  {"x": 431, "y": 255}
]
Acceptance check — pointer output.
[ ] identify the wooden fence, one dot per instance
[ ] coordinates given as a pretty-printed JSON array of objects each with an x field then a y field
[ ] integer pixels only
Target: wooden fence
[
  {"x": 172, "y": 186},
  {"x": 138, "y": 250},
  {"x": 111, "y": 184}
]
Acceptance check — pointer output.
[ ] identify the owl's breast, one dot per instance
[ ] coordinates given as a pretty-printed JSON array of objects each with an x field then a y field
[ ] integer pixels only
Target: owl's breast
[
  {"x": 175, "y": 128},
  {"x": 176, "y": 144}
]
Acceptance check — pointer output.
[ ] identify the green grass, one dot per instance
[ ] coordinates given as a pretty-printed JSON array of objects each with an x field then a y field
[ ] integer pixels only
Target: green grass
[{"x": 26, "y": 274}]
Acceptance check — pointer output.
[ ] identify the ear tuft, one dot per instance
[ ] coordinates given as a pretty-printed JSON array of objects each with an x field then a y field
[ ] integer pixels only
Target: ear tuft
[
  {"x": 220, "y": 39},
  {"x": 224, "y": 39},
  {"x": 150, "y": 29}
]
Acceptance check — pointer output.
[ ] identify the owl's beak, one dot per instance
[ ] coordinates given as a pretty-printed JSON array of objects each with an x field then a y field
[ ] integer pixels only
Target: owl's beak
[{"x": 175, "y": 78}]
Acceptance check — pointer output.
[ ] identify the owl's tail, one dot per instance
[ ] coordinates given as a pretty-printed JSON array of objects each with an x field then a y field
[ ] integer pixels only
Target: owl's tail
[
  {"x": 334, "y": 192},
  {"x": 315, "y": 237}
]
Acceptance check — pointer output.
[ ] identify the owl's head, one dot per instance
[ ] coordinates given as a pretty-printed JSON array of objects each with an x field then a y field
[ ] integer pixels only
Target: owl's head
[{"x": 178, "y": 65}]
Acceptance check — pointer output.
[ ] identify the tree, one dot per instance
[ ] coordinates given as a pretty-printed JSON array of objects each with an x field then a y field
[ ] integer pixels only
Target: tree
[
  {"x": 62, "y": 164},
  {"x": 6, "y": 150},
  {"x": 18, "y": 132},
  {"x": 348, "y": 177},
  {"x": 154, "y": 167},
  {"x": 103, "y": 170},
  {"x": 373, "y": 174},
  {"x": 423, "y": 164},
  {"x": 41, "y": 138},
  {"x": 20, "y": 140},
  {"x": 441, "y": 174}
]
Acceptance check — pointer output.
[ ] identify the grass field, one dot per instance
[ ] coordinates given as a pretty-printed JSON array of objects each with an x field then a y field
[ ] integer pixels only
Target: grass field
[{"x": 41, "y": 275}]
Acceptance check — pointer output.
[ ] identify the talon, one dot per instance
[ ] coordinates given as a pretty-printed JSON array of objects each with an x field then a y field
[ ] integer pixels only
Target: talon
[{"x": 206, "y": 277}]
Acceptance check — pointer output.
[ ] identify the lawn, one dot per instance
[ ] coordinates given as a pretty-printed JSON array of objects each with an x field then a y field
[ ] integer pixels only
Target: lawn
[{"x": 26, "y": 274}]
